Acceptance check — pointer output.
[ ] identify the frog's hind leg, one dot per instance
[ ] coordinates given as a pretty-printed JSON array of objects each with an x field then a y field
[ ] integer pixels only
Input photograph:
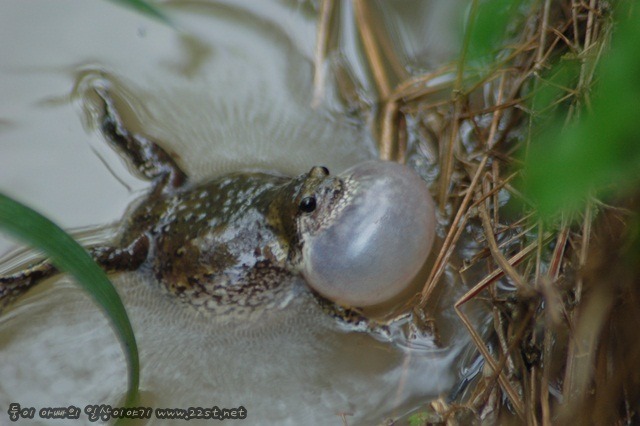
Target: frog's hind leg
[
  {"x": 110, "y": 259},
  {"x": 12, "y": 286},
  {"x": 148, "y": 158}
]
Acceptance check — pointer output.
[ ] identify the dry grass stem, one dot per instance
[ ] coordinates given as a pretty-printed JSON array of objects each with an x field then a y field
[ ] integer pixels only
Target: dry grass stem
[
  {"x": 388, "y": 138},
  {"x": 515, "y": 277},
  {"x": 549, "y": 343},
  {"x": 323, "y": 36},
  {"x": 452, "y": 237},
  {"x": 372, "y": 48}
]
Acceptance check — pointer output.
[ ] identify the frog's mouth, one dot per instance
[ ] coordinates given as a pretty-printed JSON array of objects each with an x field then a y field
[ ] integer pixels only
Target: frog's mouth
[{"x": 367, "y": 245}]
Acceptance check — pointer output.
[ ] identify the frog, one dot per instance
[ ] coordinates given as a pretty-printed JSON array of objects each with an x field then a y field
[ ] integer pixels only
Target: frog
[{"x": 231, "y": 245}]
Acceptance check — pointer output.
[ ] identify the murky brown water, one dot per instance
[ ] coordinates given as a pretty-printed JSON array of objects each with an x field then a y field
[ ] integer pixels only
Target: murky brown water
[{"x": 234, "y": 93}]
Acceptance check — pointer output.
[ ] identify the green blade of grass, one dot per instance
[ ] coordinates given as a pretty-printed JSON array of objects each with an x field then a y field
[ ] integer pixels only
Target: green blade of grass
[
  {"x": 67, "y": 255},
  {"x": 146, "y": 8}
]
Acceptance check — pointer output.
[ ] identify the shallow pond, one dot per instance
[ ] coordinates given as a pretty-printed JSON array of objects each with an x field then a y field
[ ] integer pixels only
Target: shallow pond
[{"x": 233, "y": 91}]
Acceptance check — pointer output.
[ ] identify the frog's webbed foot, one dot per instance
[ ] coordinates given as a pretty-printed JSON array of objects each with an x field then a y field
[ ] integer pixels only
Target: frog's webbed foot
[
  {"x": 351, "y": 319},
  {"x": 147, "y": 157},
  {"x": 121, "y": 259},
  {"x": 110, "y": 259}
]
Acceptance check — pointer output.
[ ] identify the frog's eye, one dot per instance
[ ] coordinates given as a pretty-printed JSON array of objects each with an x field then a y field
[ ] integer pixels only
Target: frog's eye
[
  {"x": 372, "y": 249},
  {"x": 308, "y": 204}
]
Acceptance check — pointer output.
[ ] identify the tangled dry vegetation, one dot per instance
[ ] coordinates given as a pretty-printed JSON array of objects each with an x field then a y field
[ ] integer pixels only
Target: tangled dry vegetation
[{"x": 558, "y": 344}]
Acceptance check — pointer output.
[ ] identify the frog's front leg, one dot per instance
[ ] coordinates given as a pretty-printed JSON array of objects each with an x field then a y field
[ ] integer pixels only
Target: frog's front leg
[
  {"x": 110, "y": 259},
  {"x": 148, "y": 158}
]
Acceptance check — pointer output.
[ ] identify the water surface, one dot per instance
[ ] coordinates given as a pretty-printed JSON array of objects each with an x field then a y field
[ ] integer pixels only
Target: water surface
[{"x": 232, "y": 91}]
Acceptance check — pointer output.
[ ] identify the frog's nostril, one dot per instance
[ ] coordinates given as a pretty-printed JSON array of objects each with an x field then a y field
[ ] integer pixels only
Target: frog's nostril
[
  {"x": 377, "y": 244},
  {"x": 319, "y": 171}
]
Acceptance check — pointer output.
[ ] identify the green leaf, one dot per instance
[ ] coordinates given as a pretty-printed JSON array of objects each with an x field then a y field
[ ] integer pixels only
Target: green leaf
[
  {"x": 600, "y": 153},
  {"x": 146, "y": 8},
  {"x": 549, "y": 98},
  {"x": 489, "y": 27},
  {"x": 485, "y": 31},
  {"x": 67, "y": 255}
]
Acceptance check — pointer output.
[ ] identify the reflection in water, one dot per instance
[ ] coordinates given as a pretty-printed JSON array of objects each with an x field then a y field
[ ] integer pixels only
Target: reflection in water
[
  {"x": 290, "y": 367},
  {"x": 234, "y": 94}
]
